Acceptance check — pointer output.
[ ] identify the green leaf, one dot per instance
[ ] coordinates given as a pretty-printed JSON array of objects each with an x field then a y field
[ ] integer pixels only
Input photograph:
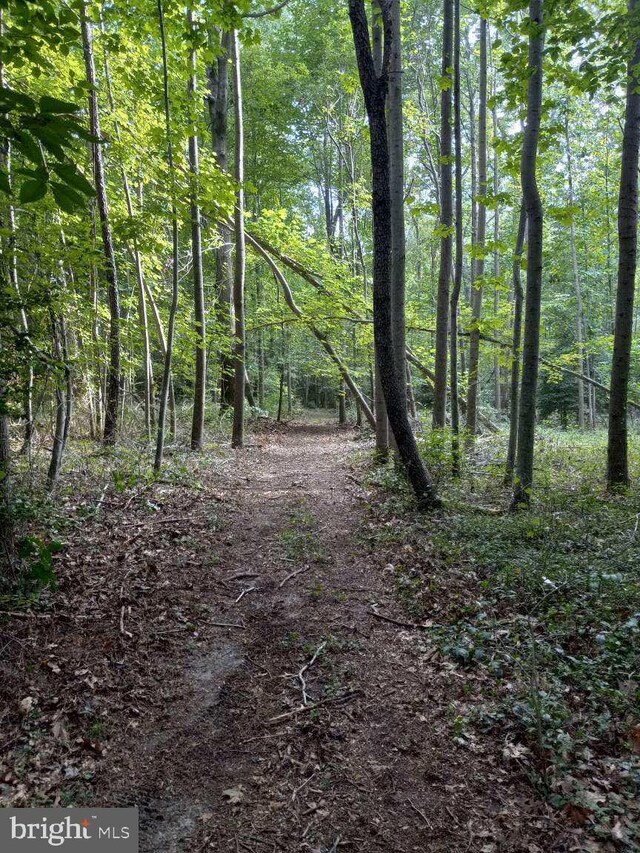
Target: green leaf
[
  {"x": 10, "y": 100},
  {"x": 68, "y": 173},
  {"x": 66, "y": 198},
  {"x": 32, "y": 190},
  {"x": 4, "y": 182},
  {"x": 54, "y": 105}
]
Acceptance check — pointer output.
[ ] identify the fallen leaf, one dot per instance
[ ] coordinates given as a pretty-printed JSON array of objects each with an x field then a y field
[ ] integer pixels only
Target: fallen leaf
[
  {"x": 233, "y": 795},
  {"x": 27, "y": 704}
]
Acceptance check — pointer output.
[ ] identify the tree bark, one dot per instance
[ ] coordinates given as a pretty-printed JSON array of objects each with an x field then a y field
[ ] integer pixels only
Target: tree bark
[
  {"x": 380, "y": 407},
  {"x": 395, "y": 136},
  {"x": 218, "y": 101},
  {"x": 200, "y": 378},
  {"x": 457, "y": 276},
  {"x": 517, "y": 335},
  {"x": 239, "y": 343},
  {"x": 580, "y": 335},
  {"x": 446, "y": 223},
  {"x": 617, "y": 449},
  {"x": 374, "y": 88},
  {"x": 477, "y": 285},
  {"x": 535, "y": 227},
  {"x": 111, "y": 274},
  {"x": 166, "y": 391},
  {"x": 60, "y": 407},
  {"x": 497, "y": 378},
  {"x": 137, "y": 262}
]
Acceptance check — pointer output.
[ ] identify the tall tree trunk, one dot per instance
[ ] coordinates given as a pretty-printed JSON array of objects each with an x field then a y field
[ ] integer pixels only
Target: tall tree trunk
[
  {"x": 162, "y": 338},
  {"x": 395, "y": 135},
  {"x": 374, "y": 88},
  {"x": 580, "y": 336},
  {"x": 12, "y": 254},
  {"x": 137, "y": 262},
  {"x": 7, "y": 545},
  {"x": 457, "y": 276},
  {"x": 446, "y": 223},
  {"x": 517, "y": 335},
  {"x": 497, "y": 396},
  {"x": 477, "y": 285},
  {"x": 260, "y": 345},
  {"x": 110, "y": 269},
  {"x": 167, "y": 386},
  {"x": 60, "y": 407},
  {"x": 200, "y": 378},
  {"x": 535, "y": 227},
  {"x": 218, "y": 101},
  {"x": 617, "y": 455},
  {"x": 239, "y": 343},
  {"x": 382, "y": 419}
]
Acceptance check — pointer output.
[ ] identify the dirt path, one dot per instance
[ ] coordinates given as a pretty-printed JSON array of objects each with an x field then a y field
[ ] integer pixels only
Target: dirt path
[{"x": 310, "y": 726}]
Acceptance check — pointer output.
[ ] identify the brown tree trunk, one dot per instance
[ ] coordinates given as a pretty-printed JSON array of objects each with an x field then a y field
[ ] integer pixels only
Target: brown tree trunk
[
  {"x": 580, "y": 335},
  {"x": 446, "y": 223},
  {"x": 477, "y": 286},
  {"x": 457, "y": 277},
  {"x": 617, "y": 451},
  {"x": 110, "y": 269},
  {"x": 218, "y": 101},
  {"x": 374, "y": 87},
  {"x": 200, "y": 378},
  {"x": 239, "y": 343},
  {"x": 535, "y": 228},
  {"x": 517, "y": 335},
  {"x": 166, "y": 391}
]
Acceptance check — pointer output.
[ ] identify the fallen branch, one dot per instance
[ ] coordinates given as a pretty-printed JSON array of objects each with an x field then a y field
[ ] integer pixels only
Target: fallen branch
[
  {"x": 305, "y": 668},
  {"x": 319, "y": 336},
  {"x": 393, "y": 621},
  {"x": 346, "y": 697},
  {"x": 244, "y": 592},
  {"x": 293, "y": 575}
]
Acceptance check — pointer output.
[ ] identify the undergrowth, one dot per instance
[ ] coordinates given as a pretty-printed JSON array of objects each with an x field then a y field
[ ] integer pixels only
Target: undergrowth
[{"x": 544, "y": 605}]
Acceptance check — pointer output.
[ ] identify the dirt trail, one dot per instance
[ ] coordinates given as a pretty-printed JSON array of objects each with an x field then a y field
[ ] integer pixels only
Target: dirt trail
[{"x": 313, "y": 725}]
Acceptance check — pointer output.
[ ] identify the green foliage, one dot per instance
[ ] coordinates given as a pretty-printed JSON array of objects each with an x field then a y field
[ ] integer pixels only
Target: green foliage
[{"x": 544, "y": 605}]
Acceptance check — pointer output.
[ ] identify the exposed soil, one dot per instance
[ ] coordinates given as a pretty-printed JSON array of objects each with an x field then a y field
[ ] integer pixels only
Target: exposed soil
[{"x": 126, "y": 691}]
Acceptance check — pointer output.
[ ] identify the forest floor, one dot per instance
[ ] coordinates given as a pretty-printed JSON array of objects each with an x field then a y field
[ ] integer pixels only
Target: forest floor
[{"x": 314, "y": 722}]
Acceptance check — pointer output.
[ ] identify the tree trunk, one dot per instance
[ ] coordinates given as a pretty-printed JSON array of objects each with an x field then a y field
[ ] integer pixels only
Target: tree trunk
[
  {"x": 446, "y": 223},
  {"x": 457, "y": 277},
  {"x": 239, "y": 343},
  {"x": 477, "y": 286},
  {"x": 218, "y": 101},
  {"x": 617, "y": 451},
  {"x": 60, "y": 407},
  {"x": 535, "y": 227},
  {"x": 166, "y": 391},
  {"x": 380, "y": 407},
  {"x": 580, "y": 336},
  {"x": 517, "y": 335},
  {"x": 374, "y": 88},
  {"x": 137, "y": 262},
  {"x": 110, "y": 269},
  {"x": 6, "y": 503},
  {"x": 497, "y": 396},
  {"x": 342, "y": 408},
  {"x": 395, "y": 136},
  {"x": 200, "y": 379}
]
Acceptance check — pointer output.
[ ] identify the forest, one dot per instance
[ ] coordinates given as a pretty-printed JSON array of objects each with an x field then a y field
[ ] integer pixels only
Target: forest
[{"x": 319, "y": 431}]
